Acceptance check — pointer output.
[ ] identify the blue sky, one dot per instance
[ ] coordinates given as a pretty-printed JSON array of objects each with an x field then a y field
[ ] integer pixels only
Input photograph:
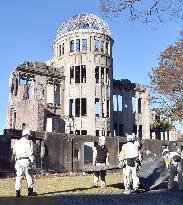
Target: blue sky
[{"x": 28, "y": 29}]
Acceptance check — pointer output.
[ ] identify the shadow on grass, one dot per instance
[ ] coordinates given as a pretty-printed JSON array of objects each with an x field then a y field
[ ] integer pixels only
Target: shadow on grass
[
  {"x": 46, "y": 200},
  {"x": 66, "y": 191},
  {"x": 118, "y": 185},
  {"x": 148, "y": 198}
]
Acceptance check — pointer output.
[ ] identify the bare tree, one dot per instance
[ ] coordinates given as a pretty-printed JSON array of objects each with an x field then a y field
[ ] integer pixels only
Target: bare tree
[{"x": 143, "y": 10}]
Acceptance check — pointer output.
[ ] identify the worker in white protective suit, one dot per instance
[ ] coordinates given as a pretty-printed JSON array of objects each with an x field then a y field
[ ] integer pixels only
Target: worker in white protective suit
[
  {"x": 23, "y": 152},
  {"x": 130, "y": 154},
  {"x": 174, "y": 166}
]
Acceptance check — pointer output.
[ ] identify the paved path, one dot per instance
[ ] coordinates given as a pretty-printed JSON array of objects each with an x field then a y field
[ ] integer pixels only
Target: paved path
[{"x": 147, "y": 198}]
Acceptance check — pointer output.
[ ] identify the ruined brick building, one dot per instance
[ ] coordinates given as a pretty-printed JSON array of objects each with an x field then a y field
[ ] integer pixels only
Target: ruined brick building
[{"x": 74, "y": 92}]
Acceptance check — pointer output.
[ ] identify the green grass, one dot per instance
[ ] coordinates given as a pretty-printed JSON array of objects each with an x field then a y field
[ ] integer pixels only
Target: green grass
[{"x": 47, "y": 187}]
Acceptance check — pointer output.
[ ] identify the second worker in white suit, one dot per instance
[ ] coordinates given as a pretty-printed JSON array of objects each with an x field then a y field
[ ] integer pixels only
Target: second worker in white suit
[{"x": 130, "y": 154}]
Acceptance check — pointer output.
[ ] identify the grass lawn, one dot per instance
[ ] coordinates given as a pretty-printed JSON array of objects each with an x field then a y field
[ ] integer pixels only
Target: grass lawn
[{"x": 47, "y": 187}]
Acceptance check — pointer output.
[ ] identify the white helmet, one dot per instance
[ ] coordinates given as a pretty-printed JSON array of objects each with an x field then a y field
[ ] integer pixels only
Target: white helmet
[
  {"x": 130, "y": 138},
  {"x": 26, "y": 132}
]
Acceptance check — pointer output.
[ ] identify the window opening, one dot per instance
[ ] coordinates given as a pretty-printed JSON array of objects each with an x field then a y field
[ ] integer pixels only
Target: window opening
[
  {"x": 135, "y": 129},
  {"x": 56, "y": 125},
  {"x": 78, "y": 45},
  {"x": 83, "y": 132},
  {"x": 77, "y": 74},
  {"x": 84, "y": 44},
  {"x": 120, "y": 101},
  {"x": 83, "y": 74},
  {"x": 77, "y": 107},
  {"x": 102, "y": 108},
  {"x": 14, "y": 119},
  {"x": 72, "y": 75},
  {"x": 59, "y": 51},
  {"x": 108, "y": 108},
  {"x": 97, "y": 45},
  {"x": 107, "y": 76},
  {"x": 107, "y": 48},
  {"x": 23, "y": 126},
  {"x": 77, "y": 132},
  {"x": 16, "y": 87},
  {"x": 97, "y": 107},
  {"x": 83, "y": 107},
  {"x": 140, "y": 105},
  {"x": 72, "y": 46},
  {"x": 63, "y": 49},
  {"x": 76, "y": 154},
  {"x": 115, "y": 102},
  {"x": 134, "y": 103},
  {"x": 71, "y": 108},
  {"x": 26, "y": 92},
  {"x": 22, "y": 82},
  {"x": 97, "y": 74},
  {"x": 102, "y": 46},
  {"x": 57, "y": 94},
  {"x": 140, "y": 131}
]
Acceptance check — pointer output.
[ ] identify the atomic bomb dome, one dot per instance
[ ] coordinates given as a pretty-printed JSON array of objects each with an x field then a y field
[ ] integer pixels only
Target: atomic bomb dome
[{"x": 83, "y": 22}]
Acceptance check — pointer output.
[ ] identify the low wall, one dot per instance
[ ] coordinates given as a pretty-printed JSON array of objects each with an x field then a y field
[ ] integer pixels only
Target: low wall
[{"x": 65, "y": 153}]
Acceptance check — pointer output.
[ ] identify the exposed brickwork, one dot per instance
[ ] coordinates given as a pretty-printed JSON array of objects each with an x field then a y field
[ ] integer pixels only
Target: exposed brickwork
[{"x": 29, "y": 112}]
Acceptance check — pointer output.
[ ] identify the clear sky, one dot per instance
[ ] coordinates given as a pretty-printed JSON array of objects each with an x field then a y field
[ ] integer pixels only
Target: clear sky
[{"x": 28, "y": 29}]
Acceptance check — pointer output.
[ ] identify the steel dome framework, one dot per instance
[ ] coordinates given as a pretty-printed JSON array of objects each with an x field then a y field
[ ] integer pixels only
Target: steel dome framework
[{"x": 83, "y": 21}]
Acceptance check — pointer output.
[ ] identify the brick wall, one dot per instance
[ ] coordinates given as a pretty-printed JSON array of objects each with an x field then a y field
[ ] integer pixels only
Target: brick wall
[{"x": 30, "y": 112}]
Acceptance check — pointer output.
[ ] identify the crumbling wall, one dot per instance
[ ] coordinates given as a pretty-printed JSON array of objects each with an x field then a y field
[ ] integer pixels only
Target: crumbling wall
[
  {"x": 29, "y": 97},
  {"x": 28, "y": 112},
  {"x": 130, "y": 116}
]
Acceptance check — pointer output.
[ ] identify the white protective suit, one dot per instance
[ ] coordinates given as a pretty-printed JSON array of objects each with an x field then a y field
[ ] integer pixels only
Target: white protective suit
[
  {"x": 174, "y": 165},
  {"x": 23, "y": 151},
  {"x": 130, "y": 153}
]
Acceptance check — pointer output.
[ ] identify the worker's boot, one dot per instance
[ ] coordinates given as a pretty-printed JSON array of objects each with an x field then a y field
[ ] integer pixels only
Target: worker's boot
[
  {"x": 18, "y": 193},
  {"x": 127, "y": 191},
  {"x": 31, "y": 193}
]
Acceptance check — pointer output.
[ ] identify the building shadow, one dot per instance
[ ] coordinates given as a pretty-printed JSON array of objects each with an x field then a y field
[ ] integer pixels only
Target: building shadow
[{"x": 25, "y": 200}]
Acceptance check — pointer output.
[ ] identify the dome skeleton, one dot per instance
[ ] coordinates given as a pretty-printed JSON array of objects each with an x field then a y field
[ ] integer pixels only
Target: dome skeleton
[{"x": 83, "y": 21}]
